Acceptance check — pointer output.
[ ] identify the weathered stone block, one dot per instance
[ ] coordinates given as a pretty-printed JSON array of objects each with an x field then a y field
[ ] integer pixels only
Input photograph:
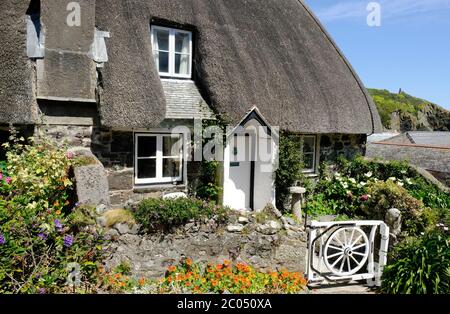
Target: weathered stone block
[
  {"x": 92, "y": 185},
  {"x": 120, "y": 180}
]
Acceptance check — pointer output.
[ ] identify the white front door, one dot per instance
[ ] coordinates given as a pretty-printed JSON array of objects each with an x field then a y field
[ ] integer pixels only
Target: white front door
[{"x": 238, "y": 182}]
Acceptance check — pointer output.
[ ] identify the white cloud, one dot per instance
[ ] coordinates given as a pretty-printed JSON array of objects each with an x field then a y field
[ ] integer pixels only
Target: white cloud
[{"x": 390, "y": 9}]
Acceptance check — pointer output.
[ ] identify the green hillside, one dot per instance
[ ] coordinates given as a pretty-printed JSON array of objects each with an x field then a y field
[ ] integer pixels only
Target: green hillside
[{"x": 403, "y": 112}]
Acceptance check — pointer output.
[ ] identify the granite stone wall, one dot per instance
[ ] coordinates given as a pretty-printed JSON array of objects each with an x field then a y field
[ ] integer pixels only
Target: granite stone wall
[
  {"x": 347, "y": 145},
  {"x": 265, "y": 245}
]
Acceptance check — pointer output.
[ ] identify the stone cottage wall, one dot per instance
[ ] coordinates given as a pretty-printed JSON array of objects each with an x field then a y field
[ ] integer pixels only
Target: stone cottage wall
[
  {"x": 347, "y": 145},
  {"x": 266, "y": 246}
]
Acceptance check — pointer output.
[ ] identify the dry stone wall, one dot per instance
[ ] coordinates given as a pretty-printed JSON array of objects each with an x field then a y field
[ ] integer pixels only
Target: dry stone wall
[{"x": 265, "y": 245}]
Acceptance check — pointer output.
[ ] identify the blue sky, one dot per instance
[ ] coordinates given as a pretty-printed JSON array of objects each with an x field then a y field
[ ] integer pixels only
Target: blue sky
[{"x": 410, "y": 50}]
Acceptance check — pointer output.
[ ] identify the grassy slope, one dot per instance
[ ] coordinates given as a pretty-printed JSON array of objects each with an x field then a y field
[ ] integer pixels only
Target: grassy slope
[{"x": 415, "y": 113}]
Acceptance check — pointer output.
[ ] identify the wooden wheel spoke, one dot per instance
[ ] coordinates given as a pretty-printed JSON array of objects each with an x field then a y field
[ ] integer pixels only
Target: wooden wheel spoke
[
  {"x": 338, "y": 241},
  {"x": 357, "y": 263},
  {"x": 348, "y": 264},
  {"x": 335, "y": 247},
  {"x": 336, "y": 254},
  {"x": 345, "y": 237},
  {"x": 342, "y": 265},
  {"x": 356, "y": 241},
  {"x": 337, "y": 261},
  {"x": 351, "y": 237},
  {"x": 360, "y": 254},
  {"x": 359, "y": 246}
]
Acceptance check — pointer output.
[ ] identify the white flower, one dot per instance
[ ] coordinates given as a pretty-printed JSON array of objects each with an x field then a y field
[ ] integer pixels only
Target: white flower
[
  {"x": 392, "y": 179},
  {"x": 344, "y": 185},
  {"x": 403, "y": 172},
  {"x": 446, "y": 228},
  {"x": 369, "y": 174},
  {"x": 400, "y": 184},
  {"x": 337, "y": 174},
  {"x": 422, "y": 233},
  {"x": 409, "y": 181},
  {"x": 362, "y": 183},
  {"x": 352, "y": 180}
]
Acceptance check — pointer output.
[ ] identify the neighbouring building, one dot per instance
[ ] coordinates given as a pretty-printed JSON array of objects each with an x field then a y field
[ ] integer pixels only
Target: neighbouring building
[
  {"x": 117, "y": 76},
  {"x": 427, "y": 150}
]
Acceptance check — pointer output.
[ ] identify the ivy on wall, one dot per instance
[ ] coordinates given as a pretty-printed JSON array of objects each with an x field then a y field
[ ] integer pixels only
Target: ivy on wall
[{"x": 290, "y": 166}]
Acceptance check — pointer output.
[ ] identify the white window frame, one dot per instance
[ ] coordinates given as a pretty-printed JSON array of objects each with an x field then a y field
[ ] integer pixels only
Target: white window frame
[
  {"x": 172, "y": 53},
  {"x": 313, "y": 169},
  {"x": 159, "y": 159}
]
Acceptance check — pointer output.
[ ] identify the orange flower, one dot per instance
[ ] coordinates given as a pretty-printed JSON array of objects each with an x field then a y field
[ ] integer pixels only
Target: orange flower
[
  {"x": 118, "y": 276},
  {"x": 58, "y": 212},
  {"x": 219, "y": 266},
  {"x": 188, "y": 284},
  {"x": 188, "y": 262},
  {"x": 214, "y": 282},
  {"x": 142, "y": 281},
  {"x": 171, "y": 269},
  {"x": 226, "y": 263},
  {"x": 55, "y": 204}
]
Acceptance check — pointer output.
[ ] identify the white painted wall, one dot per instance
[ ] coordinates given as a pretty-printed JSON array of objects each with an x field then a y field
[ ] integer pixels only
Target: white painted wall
[{"x": 236, "y": 192}]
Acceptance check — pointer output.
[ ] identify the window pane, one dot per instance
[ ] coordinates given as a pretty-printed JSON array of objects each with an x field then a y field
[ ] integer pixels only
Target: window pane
[
  {"x": 182, "y": 64},
  {"x": 146, "y": 146},
  {"x": 163, "y": 62},
  {"x": 161, "y": 40},
  {"x": 181, "y": 42},
  {"x": 171, "y": 167},
  {"x": 171, "y": 146},
  {"x": 309, "y": 161},
  {"x": 308, "y": 145},
  {"x": 146, "y": 169}
]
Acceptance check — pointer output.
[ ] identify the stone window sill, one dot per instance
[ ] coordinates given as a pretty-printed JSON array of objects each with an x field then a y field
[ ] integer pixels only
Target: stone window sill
[{"x": 158, "y": 187}]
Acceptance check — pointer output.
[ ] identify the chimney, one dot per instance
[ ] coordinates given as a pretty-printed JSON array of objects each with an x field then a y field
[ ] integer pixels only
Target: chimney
[{"x": 67, "y": 72}]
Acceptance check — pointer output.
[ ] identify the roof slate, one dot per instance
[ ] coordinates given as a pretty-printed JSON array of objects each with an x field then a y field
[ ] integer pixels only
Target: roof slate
[
  {"x": 183, "y": 101},
  {"x": 430, "y": 138}
]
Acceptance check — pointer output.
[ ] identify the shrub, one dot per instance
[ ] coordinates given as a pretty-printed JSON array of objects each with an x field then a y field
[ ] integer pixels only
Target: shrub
[
  {"x": 38, "y": 240},
  {"x": 416, "y": 185},
  {"x": 419, "y": 266},
  {"x": 154, "y": 214},
  {"x": 83, "y": 216},
  {"x": 387, "y": 195},
  {"x": 208, "y": 188},
  {"x": 225, "y": 277}
]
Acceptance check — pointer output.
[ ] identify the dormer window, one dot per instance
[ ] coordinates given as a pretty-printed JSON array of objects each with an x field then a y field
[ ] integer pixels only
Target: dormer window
[{"x": 172, "y": 51}]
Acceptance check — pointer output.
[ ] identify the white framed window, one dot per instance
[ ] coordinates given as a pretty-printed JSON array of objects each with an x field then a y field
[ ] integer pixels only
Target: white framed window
[
  {"x": 158, "y": 158},
  {"x": 172, "y": 51},
  {"x": 309, "y": 153}
]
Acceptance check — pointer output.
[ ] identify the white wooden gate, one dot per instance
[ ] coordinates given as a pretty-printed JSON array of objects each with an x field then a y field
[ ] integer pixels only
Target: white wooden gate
[{"x": 346, "y": 251}]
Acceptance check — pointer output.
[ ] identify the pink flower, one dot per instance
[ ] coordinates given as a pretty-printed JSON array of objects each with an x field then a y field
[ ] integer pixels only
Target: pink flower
[
  {"x": 8, "y": 180},
  {"x": 1, "y": 176},
  {"x": 364, "y": 198},
  {"x": 69, "y": 155}
]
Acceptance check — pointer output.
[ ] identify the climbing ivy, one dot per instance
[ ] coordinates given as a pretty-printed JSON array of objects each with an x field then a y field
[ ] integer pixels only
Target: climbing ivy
[{"x": 290, "y": 166}]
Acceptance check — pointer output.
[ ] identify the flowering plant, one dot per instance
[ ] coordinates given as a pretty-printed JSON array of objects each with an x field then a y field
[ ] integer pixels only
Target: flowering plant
[
  {"x": 37, "y": 238},
  {"x": 227, "y": 277}
]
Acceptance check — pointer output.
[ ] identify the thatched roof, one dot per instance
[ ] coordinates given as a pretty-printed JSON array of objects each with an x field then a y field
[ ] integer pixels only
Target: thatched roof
[
  {"x": 271, "y": 54},
  {"x": 17, "y": 102}
]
